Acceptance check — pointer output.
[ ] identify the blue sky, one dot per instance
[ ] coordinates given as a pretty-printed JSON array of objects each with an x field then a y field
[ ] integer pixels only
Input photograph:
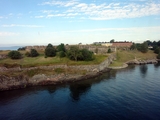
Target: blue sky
[{"x": 39, "y": 22}]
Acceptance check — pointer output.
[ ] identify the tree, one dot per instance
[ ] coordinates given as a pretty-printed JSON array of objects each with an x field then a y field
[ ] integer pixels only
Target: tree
[
  {"x": 34, "y": 53},
  {"x": 133, "y": 46},
  {"x": 61, "y": 50},
  {"x": 14, "y": 55},
  {"x": 49, "y": 45},
  {"x": 73, "y": 53},
  {"x": 22, "y": 48},
  {"x": 112, "y": 41},
  {"x": 61, "y": 47},
  {"x": 85, "y": 55},
  {"x": 50, "y": 51},
  {"x": 144, "y": 47}
]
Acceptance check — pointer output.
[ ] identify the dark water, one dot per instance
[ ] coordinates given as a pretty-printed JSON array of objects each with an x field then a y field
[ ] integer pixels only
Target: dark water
[{"x": 128, "y": 94}]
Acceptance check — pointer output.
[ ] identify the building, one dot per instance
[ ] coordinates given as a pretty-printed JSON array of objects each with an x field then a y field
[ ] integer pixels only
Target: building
[
  {"x": 107, "y": 44},
  {"x": 114, "y": 44}
]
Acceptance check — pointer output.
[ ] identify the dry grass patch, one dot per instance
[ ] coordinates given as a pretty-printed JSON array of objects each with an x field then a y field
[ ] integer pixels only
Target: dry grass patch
[{"x": 124, "y": 56}]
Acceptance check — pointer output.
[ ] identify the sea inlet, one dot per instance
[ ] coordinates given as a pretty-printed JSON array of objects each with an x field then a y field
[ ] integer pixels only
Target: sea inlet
[{"x": 132, "y": 93}]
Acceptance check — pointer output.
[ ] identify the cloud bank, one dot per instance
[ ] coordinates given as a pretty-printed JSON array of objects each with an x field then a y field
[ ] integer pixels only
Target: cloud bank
[{"x": 102, "y": 11}]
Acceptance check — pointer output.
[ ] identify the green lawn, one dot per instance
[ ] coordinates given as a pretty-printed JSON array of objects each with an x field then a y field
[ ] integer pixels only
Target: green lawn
[{"x": 41, "y": 61}]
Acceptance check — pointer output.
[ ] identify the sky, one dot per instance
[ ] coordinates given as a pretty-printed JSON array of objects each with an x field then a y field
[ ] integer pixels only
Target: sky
[{"x": 39, "y": 22}]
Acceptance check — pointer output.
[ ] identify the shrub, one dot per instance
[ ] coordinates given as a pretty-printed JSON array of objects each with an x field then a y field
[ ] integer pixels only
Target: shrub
[
  {"x": 61, "y": 47},
  {"x": 34, "y": 53},
  {"x": 50, "y": 51},
  {"x": 73, "y": 53},
  {"x": 61, "y": 54},
  {"x": 85, "y": 55},
  {"x": 109, "y": 50},
  {"x": 14, "y": 55}
]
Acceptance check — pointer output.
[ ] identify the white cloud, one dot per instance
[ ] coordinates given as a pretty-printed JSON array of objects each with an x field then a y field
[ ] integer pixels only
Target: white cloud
[
  {"x": 16, "y": 25},
  {"x": 39, "y": 16},
  {"x": 55, "y": 15},
  {"x": 61, "y": 3},
  {"x": 8, "y": 34},
  {"x": 104, "y": 11}
]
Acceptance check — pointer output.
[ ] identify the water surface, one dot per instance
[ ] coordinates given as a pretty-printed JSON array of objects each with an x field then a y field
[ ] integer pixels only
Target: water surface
[{"x": 132, "y": 93}]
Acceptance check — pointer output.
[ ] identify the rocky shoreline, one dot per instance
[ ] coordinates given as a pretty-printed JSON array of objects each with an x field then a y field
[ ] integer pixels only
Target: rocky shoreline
[
  {"x": 23, "y": 81},
  {"x": 141, "y": 62},
  {"x": 19, "y": 82},
  {"x": 8, "y": 82}
]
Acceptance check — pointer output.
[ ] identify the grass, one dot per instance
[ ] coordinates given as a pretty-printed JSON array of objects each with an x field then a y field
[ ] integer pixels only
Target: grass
[
  {"x": 124, "y": 56},
  {"x": 42, "y": 61},
  {"x": 32, "y": 72}
]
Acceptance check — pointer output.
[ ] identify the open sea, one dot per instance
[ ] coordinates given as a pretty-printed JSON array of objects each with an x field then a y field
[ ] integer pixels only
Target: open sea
[{"x": 132, "y": 93}]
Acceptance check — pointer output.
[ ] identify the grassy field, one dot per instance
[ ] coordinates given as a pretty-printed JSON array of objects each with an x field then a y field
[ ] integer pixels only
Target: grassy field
[
  {"x": 42, "y": 61},
  {"x": 124, "y": 56}
]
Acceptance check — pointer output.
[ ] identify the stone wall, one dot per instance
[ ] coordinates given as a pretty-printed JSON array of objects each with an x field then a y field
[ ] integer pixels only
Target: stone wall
[{"x": 93, "y": 48}]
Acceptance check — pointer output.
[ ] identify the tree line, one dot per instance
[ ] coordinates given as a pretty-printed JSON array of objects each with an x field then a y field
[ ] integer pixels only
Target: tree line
[
  {"x": 143, "y": 47},
  {"x": 73, "y": 53}
]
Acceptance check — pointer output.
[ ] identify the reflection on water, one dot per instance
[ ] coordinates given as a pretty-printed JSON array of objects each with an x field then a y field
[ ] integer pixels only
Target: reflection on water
[
  {"x": 143, "y": 70},
  {"x": 52, "y": 89},
  {"x": 82, "y": 87},
  {"x": 157, "y": 65},
  {"x": 78, "y": 89}
]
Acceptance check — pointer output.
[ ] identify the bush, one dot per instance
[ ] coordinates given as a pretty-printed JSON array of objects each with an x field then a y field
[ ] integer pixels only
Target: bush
[
  {"x": 109, "y": 50},
  {"x": 76, "y": 54},
  {"x": 133, "y": 46},
  {"x": 73, "y": 53},
  {"x": 61, "y": 47},
  {"x": 85, "y": 55},
  {"x": 34, "y": 53},
  {"x": 61, "y": 54},
  {"x": 50, "y": 51},
  {"x": 14, "y": 55}
]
